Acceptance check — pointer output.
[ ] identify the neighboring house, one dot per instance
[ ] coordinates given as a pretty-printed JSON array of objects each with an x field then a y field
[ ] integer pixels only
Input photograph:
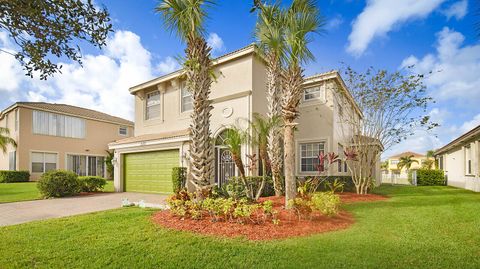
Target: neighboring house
[
  {"x": 460, "y": 159},
  {"x": 162, "y": 119},
  {"x": 58, "y": 136},
  {"x": 392, "y": 174}
]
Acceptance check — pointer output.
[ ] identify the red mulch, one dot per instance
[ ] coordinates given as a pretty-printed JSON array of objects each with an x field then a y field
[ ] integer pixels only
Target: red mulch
[{"x": 289, "y": 226}]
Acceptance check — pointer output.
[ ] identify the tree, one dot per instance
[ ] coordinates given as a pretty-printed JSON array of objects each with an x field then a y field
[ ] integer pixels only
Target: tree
[
  {"x": 270, "y": 39},
  {"x": 406, "y": 161},
  {"x": 5, "y": 139},
  {"x": 302, "y": 19},
  {"x": 44, "y": 29},
  {"x": 108, "y": 163},
  {"x": 429, "y": 163},
  {"x": 394, "y": 107},
  {"x": 186, "y": 18}
]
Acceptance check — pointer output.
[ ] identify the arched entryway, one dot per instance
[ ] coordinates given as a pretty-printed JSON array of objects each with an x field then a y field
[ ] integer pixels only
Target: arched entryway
[{"x": 224, "y": 164}]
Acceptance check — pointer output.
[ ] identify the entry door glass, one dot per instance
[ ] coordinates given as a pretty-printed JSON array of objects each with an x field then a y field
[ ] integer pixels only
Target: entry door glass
[{"x": 225, "y": 166}]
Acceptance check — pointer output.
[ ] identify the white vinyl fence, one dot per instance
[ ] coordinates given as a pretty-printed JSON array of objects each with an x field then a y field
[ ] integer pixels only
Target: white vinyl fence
[{"x": 400, "y": 179}]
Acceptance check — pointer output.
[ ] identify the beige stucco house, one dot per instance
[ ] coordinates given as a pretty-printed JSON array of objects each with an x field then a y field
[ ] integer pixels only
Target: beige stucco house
[
  {"x": 162, "y": 118},
  {"x": 58, "y": 136},
  {"x": 460, "y": 160}
]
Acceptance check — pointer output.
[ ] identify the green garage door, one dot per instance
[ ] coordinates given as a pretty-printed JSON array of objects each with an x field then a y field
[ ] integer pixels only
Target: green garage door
[{"x": 150, "y": 171}]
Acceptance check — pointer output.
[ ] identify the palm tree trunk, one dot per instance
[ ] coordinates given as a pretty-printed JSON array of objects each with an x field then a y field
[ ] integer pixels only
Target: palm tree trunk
[
  {"x": 198, "y": 73},
  {"x": 274, "y": 137},
  {"x": 291, "y": 98}
]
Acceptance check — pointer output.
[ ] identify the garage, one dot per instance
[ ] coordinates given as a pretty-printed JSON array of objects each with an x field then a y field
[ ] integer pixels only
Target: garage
[{"x": 150, "y": 171}]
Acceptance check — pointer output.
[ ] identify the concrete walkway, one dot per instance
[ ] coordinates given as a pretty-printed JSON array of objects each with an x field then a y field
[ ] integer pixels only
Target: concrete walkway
[{"x": 21, "y": 212}]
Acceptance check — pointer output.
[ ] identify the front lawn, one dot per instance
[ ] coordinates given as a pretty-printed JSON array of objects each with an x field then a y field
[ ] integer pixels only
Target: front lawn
[
  {"x": 26, "y": 191},
  {"x": 422, "y": 227}
]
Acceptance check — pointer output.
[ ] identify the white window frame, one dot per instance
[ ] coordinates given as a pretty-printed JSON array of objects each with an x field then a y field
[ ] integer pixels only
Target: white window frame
[
  {"x": 185, "y": 93},
  {"x": 44, "y": 168},
  {"x": 87, "y": 164},
  {"x": 468, "y": 161},
  {"x": 159, "y": 104},
  {"x": 120, "y": 130},
  {"x": 59, "y": 125},
  {"x": 12, "y": 164},
  {"x": 301, "y": 157},
  {"x": 321, "y": 93}
]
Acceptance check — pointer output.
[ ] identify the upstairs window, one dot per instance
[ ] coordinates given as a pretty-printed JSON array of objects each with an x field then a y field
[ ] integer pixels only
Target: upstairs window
[
  {"x": 123, "y": 131},
  {"x": 394, "y": 162},
  {"x": 46, "y": 123},
  {"x": 186, "y": 99},
  {"x": 152, "y": 109},
  {"x": 313, "y": 93},
  {"x": 12, "y": 161},
  {"x": 468, "y": 160}
]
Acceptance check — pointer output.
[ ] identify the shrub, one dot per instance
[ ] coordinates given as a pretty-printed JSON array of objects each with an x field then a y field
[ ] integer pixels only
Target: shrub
[
  {"x": 236, "y": 189},
  {"x": 326, "y": 203},
  {"x": 59, "y": 183},
  {"x": 14, "y": 176},
  {"x": 179, "y": 177},
  {"x": 92, "y": 183},
  {"x": 346, "y": 180},
  {"x": 430, "y": 177}
]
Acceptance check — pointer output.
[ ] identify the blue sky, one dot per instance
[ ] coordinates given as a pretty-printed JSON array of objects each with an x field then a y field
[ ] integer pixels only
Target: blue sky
[{"x": 435, "y": 35}]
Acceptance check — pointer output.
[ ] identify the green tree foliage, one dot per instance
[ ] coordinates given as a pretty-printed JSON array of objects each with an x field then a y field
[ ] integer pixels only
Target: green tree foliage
[
  {"x": 48, "y": 29},
  {"x": 5, "y": 139},
  {"x": 406, "y": 161}
]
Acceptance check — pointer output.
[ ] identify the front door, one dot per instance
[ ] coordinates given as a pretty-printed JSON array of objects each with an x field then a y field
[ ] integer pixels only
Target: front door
[{"x": 225, "y": 165}]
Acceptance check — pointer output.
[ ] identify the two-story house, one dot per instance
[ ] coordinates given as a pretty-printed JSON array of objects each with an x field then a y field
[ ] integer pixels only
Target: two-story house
[
  {"x": 58, "y": 136},
  {"x": 162, "y": 118}
]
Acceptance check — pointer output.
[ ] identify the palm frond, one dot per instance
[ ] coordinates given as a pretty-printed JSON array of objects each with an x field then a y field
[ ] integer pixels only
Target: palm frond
[
  {"x": 5, "y": 139},
  {"x": 184, "y": 17},
  {"x": 270, "y": 30}
]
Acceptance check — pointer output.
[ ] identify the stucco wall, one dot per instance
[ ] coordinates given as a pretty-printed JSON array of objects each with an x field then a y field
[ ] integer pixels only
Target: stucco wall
[
  {"x": 98, "y": 135},
  {"x": 4, "y": 160}
]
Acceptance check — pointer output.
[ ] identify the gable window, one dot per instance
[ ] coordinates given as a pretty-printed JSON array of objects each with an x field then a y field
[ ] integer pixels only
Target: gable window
[
  {"x": 46, "y": 123},
  {"x": 12, "y": 161},
  {"x": 312, "y": 93},
  {"x": 84, "y": 165},
  {"x": 468, "y": 160},
  {"x": 43, "y": 162},
  {"x": 186, "y": 99},
  {"x": 152, "y": 109},
  {"x": 309, "y": 156},
  {"x": 394, "y": 162},
  {"x": 123, "y": 130}
]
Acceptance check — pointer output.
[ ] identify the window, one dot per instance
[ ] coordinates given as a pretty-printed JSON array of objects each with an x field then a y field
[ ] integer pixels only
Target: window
[
  {"x": 440, "y": 163},
  {"x": 123, "y": 131},
  {"x": 317, "y": 92},
  {"x": 394, "y": 162},
  {"x": 309, "y": 156},
  {"x": 12, "y": 161},
  {"x": 153, "y": 105},
  {"x": 342, "y": 165},
  {"x": 86, "y": 165},
  {"x": 186, "y": 99},
  {"x": 468, "y": 160},
  {"x": 43, "y": 162},
  {"x": 45, "y": 123}
]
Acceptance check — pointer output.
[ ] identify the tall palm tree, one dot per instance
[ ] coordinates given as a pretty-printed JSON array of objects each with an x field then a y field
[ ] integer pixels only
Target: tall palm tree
[
  {"x": 303, "y": 19},
  {"x": 5, "y": 139},
  {"x": 270, "y": 39},
  {"x": 261, "y": 133},
  {"x": 186, "y": 18},
  {"x": 406, "y": 161}
]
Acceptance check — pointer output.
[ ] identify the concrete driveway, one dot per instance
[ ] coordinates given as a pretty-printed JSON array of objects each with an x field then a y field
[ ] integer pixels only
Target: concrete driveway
[{"x": 21, "y": 212}]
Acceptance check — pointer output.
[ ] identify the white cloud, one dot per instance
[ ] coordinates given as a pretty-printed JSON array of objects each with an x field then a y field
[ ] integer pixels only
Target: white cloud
[
  {"x": 456, "y": 69},
  {"x": 457, "y": 10},
  {"x": 380, "y": 16},
  {"x": 216, "y": 43},
  {"x": 334, "y": 22},
  {"x": 101, "y": 84},
  {"x": 167, "y": 66}
]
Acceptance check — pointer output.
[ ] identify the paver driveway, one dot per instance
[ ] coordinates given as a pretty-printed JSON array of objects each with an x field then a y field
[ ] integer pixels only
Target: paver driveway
[{"x": 20, "y": 212}]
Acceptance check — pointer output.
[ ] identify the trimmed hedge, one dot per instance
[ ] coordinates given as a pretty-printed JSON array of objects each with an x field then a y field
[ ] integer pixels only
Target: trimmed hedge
[
  {"x": 14, "y": 176},
  {"x": 179, "y": 178},
  {"x": 92, "y": 183},
  {"x": 59, "y": 183},
  {"x": 430, "y": 177}
]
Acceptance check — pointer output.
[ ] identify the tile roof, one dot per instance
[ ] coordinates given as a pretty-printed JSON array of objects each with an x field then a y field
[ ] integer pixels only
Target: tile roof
[
  {"x": 71, "y": 110},
  {"x": 151, "y": 137},
  {"x": 407, "y": 153}
]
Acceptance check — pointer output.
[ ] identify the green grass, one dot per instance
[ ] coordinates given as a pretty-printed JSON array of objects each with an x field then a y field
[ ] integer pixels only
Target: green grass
[
  {"x": 419, "y": 227},
  {"x": 26, "y": 191}
]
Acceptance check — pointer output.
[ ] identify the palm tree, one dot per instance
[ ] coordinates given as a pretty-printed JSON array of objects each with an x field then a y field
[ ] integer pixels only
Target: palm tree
[
  {"x": 186, "y": 18},
  {"x": 406, "y": 161},
  {"x": 270, "y": 39},
  {"x": 5, "y": 139},
  {"x": 109, "y": 164},
  {"x": 261, "y": 133},
  {"x": 303, "y": 19}
]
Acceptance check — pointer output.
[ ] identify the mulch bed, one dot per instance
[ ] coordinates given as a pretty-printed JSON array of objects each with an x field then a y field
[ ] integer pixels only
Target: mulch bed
[
  {"x": 289, "y": 226},
  {"x": 350, "y": 197}
]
